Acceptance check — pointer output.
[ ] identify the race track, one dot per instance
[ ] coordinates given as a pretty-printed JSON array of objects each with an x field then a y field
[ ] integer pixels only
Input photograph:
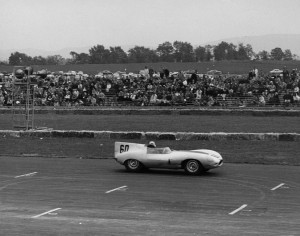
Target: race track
[{"x": 40, "y": 196}]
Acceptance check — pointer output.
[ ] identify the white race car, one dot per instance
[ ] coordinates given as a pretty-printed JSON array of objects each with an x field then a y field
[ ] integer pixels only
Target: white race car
[{"x": 136, "y": 157}]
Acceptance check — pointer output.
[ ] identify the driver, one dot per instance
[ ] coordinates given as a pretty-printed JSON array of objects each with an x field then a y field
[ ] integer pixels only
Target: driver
[{"x": 151, "y": 144}]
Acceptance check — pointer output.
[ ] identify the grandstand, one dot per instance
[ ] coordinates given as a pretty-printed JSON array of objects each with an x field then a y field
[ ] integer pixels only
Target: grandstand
[{"x": 174, "y": 89}]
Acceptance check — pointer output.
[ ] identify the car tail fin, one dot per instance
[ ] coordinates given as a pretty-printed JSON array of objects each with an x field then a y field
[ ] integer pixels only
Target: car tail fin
[{"x": 125, "y": 147}]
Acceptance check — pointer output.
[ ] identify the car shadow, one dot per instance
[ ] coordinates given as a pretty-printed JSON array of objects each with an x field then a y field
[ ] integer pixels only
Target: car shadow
[{"x": 174, "y": 172}]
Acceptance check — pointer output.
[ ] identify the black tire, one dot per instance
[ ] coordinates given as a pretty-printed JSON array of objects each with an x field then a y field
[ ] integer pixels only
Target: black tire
[
  {"x": 193, "y": 167},
  {"x": 133, "y": 165}
]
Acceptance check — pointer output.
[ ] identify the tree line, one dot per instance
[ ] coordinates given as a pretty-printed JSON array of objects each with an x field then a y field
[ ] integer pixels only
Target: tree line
[{"x": 166, "y": 52}]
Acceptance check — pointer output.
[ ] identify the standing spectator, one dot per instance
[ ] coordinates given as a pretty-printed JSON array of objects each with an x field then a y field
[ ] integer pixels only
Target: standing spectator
[
  {"x": 255, "y": 72},
  {"x": 251, "y": 75},
  {"x": 1, "y": 99},
  {"x": 198, "y": 96},
  {"x": 293, "y": 75},
  {"x": 161, "y": 72},
  {"x": 151, "y": 72},
  {"x": 166, "y": 72},
  {"x": 146, "y": 72},
  {"x": 285, "y": 75},
  {"x": 193, "y": 78}
]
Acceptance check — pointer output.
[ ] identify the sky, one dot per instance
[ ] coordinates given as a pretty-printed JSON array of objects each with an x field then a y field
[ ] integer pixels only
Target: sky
[{"x": 57, "y": 24}]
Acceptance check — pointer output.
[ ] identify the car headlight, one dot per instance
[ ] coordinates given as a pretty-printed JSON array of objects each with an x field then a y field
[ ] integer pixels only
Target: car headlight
[{"x": 216, "y": 156}]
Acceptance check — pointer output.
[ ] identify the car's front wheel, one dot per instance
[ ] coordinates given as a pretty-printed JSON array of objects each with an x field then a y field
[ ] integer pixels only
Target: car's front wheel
[
  {"x": 193, "y": 167},
  {"x": 133, "y": 165}
]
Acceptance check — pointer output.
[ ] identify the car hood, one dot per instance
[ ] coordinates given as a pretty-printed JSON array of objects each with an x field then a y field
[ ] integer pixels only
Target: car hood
[{"x": 207, "y": 152}]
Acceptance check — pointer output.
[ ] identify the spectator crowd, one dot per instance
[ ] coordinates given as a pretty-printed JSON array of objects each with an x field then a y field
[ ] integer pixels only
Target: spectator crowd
[{"x": 151, "y": 88}]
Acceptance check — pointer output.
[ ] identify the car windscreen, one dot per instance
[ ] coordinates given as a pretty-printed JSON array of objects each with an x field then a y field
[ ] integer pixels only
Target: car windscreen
[{"x": 165, "y": 150}]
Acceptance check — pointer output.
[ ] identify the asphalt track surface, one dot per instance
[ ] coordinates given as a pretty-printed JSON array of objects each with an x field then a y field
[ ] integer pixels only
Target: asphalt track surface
[{"x": 40, "y": 196}]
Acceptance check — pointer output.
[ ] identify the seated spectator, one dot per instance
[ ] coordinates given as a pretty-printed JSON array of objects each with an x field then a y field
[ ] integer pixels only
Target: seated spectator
[
  {"x": 75, "y": 95},
  {"x": 71, "y": 89},
  {"x": 274, "y": 99},
  {"x": 266, "y": 95},
  {"x": 50, "y": 99},
  {"x": 145, "y": 100},
  {"x": 101, "y": 98},
  {"x": 210, "y": 101},
  {"x": 67, "y": 97},
  {"x": 93, "y": 100},
  {"x": 189, "y": 97},
  {"x": 288, "y": 99},
  {"x": 261, "y": 100},
  {"x": 296, "y": 98},
  {"x": 221, "y": 100},
  {"x": 271, "y": 87},
  {"x": 178, "y": 98},
  {"x": 153, "y": 99}
]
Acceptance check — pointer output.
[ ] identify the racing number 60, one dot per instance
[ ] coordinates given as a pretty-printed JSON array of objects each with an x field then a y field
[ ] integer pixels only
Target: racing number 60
[{"x": 124, "y": 148}]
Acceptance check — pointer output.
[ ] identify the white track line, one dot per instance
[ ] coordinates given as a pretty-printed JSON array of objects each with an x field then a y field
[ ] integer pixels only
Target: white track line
[
  {"x": 45, "y": 213},
  {"x": 237, "y": 210},
  {"x": 278, "y": 186},
  {"x": 26, "y": 175},
  {"x": 115, "y": 189}
]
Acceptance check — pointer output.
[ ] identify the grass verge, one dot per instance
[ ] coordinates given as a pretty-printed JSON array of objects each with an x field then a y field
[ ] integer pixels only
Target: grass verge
[
  {"x": 235, "y": 151},
  {"x": 164, "y": 123}
]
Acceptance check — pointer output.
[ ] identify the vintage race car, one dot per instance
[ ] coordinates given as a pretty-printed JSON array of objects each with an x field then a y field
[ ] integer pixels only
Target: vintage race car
[{"x": 136, "y": 157}]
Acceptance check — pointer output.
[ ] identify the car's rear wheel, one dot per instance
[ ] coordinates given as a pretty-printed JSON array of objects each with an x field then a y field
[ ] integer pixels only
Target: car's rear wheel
[
  {"x": 193, "y": 167},
  {"x": 133, "y": 165}
]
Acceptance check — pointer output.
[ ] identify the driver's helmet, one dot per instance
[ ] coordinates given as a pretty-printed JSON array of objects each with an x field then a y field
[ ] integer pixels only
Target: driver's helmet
[{"x": 151, "y": 144}]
